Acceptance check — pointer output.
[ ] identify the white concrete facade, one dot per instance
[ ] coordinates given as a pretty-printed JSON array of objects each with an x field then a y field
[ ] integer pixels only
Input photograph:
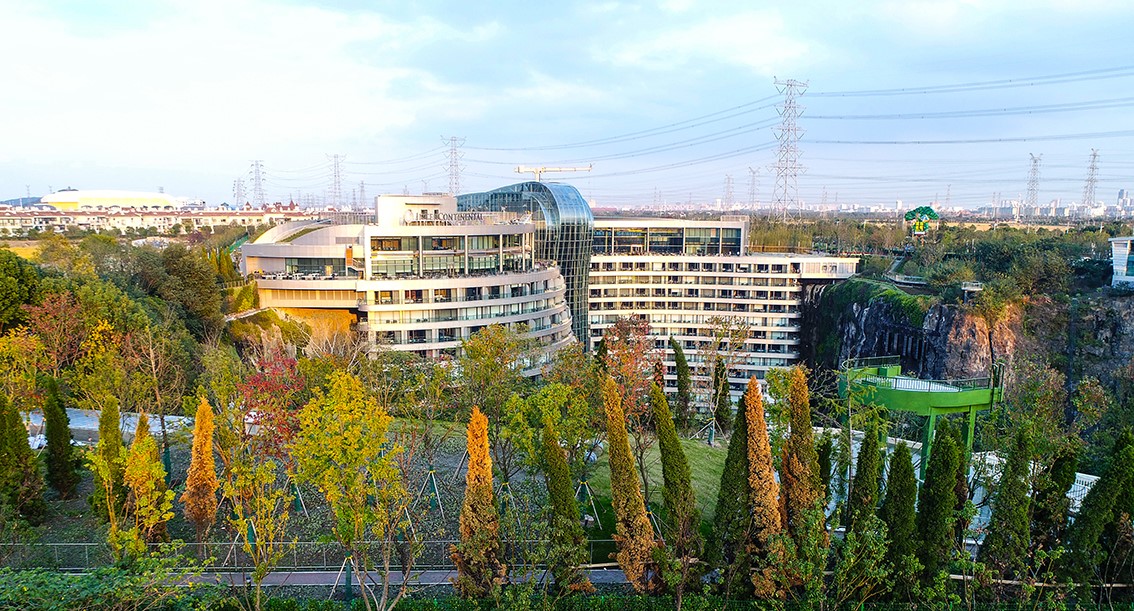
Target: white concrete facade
[
  {"x": 685, "y": 295},
  {"x": 423, "y": 278}
]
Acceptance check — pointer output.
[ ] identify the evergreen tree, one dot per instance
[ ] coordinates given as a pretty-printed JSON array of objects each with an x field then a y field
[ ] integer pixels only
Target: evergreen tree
[
  {"x": 728, "y": 547},
  {"x": 897, "y": 509},
  {"x": 684, "y": 400},
  {"x": 1005, "y": 549},
  {"x": 109, "y": 495},
  {"x": 800, "y": 476},
  {"x": 480, "y": 569},
  {"x": 21, "y": 485},
  {"x": 826, "y": 453},
  {"x": 62, "y": 465},
  {"x": 864, "y": 490},
  {"x": 1051, "y": 506},
  {"x": 763, "y": 493},
  {"x": 568, "y": 542},
  {"x": 935, "y": 504},
  {"x": 682, "y": 518},
  {"x": 723, "y": 410},
  {"x": 1096, "y": 513},
  {"x": 200, "y": 496},
  {"x": 633, "y": 533},
  {"x": 897, "y": 513}
]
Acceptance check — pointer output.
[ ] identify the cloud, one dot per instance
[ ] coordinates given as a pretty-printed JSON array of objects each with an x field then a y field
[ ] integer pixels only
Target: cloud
[
  {"x": 754, "y": 40},
  {"x": 215, "y": 80}
]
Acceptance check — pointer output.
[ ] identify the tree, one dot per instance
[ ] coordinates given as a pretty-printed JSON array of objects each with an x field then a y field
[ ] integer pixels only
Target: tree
[
  {"x": 1086, "y": 553},
  {"x": 763, "y": 491},
  {"x": 897, "y": 512},
  {"x": 1051, "y": 506},
  {"x": 800, "y": 472},
  {"x": 62, "y": 474},
  {"x": 200, "y": 496},
  {"x": 865, "y": 487},
  {"x": 21, "y": 485},
  {"x": 336, "y": 451},
  {"x": 684, "y": 399},
  {"x": 109, "y": 493},
  {"x": 568, "y": 542},
  {"x": 480, "y": 568},
  {"x": 722, "y": 402},
  {"x": 492, "y": 367},
  {"x": 632, "y": 531},
  {"x": 22, "y": 357},
  {"x": 1005, "y": 549},
  {"x": 936, "y": 502},
  {"x": 629, "y": 360},
  {"x": 728, "y": 548},
  {"x": 682, "y": 518},
  {"x": 19, "y": 284},
  {"x": 149, "y": 502},
  {"x": 192, "y": 286}
]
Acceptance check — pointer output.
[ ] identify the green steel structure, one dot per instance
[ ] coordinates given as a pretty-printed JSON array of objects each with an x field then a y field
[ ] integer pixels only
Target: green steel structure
[{"x": 879, "y": 381}]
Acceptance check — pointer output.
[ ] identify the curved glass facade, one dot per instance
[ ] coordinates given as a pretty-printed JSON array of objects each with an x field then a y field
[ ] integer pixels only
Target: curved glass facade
[{"x": 564, "y": 233}]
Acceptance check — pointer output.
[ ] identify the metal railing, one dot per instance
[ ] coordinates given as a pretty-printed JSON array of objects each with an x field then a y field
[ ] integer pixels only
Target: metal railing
[
  {"x": 300, "y": 555},
  {"x": 872, "y": 361}
]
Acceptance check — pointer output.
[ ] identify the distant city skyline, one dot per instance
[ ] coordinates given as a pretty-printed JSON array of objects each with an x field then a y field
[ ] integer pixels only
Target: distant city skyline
[{"x": 916, "y": 101}]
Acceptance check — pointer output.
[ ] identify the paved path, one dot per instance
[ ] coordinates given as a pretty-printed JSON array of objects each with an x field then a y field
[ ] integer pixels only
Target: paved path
[{"x": 330, "y": 578}]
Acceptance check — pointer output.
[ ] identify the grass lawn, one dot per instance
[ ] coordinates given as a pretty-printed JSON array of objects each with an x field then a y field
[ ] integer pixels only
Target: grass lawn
[{"x": 705, "y": 463}]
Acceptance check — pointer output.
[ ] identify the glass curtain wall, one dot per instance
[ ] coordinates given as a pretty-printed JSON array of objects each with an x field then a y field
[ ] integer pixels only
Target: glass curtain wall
[{"x": 564, "y": 233}]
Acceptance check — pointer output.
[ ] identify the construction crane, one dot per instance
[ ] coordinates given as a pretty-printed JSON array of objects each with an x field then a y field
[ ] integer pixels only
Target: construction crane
[{"x": 540, "y": 171}]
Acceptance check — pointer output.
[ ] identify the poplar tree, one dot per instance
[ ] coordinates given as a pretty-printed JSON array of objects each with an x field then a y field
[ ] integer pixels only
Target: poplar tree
[
  {"x": 21, "y": 485},
  {"x": 684, "y": 402},
  {"x": 723, "y": 410},
  {"x": 1005, "y": 549},
  {"x": 109, "y": 493},
  {"x": 763, "y": 493},
  {"x": 480, "y": 569},
  {"x": 632, "y": 532},
  {"x": 935, "y": 504},
  {"x": 727, "y": 550},
  {"x": 683, "y": 521},
  {"x": 200, "y": 496},
  {"x": 568, "y": 541},
  {"x": 864, "y": 491},
  {"x": 62, "y": 466}
]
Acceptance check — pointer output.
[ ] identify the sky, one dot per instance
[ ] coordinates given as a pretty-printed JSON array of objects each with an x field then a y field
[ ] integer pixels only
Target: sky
[{"x": 918, "y": 100}]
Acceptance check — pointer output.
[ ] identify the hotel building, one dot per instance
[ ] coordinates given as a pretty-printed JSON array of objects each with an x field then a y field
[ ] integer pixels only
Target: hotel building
[
  {"x": 1122, "y": 257},
  {"x": 418, "y": 275},
  {"x": 685, "y": 277}
]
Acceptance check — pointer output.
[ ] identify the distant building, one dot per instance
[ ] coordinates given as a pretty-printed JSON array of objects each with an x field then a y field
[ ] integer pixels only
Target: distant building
[
  {"x": 1122, "y": 256},
  {"x": 20, "y": 221},
  {"x": 72, "y": 200}
]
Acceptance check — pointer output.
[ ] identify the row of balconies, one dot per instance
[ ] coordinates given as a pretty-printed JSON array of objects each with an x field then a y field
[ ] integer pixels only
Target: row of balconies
[
  {"x": 600, "y": 279},
  {"x": 694, "y": 294},
  {"x": 694, "y": 306},
  {"x": 380, "y": 319},
  {"x": 699, "y": 267}
]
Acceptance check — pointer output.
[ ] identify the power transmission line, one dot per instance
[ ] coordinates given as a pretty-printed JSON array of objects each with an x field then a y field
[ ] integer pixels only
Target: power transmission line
[
  {"x": 258, "y": 176},
  {"x": 1033, "y": 183},
  {"x": 1092, "y": 179},
  {"x": 454, "y": 163},
  {"x": 788, "y": 133}
]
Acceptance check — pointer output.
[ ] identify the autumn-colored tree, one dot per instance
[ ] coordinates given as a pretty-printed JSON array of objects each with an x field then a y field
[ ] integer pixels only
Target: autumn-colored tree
[
  {"x": 801, "y": 489},
  {"x": 149, "y": 502},
  {"x": 1006, "y": 547},
  {"x": 568, "y": 542},
  {"x": 21, "y": 485},
  {"x": 632, "y": 530},
  {"x": 683, "y": 410},
  {"x": 200, "y": 496},
  {"x": 683, "y": 521},
  {"x": 62, "y": 473},
  {"x": 22, "y": 357},
  {"x": 335, "y": 451},
  {"x": 480, "y": 569},
  {"x": 763, "y": 493},
  {"x": 628, "y": 360},
  {"x": 271, "y": 396}
]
